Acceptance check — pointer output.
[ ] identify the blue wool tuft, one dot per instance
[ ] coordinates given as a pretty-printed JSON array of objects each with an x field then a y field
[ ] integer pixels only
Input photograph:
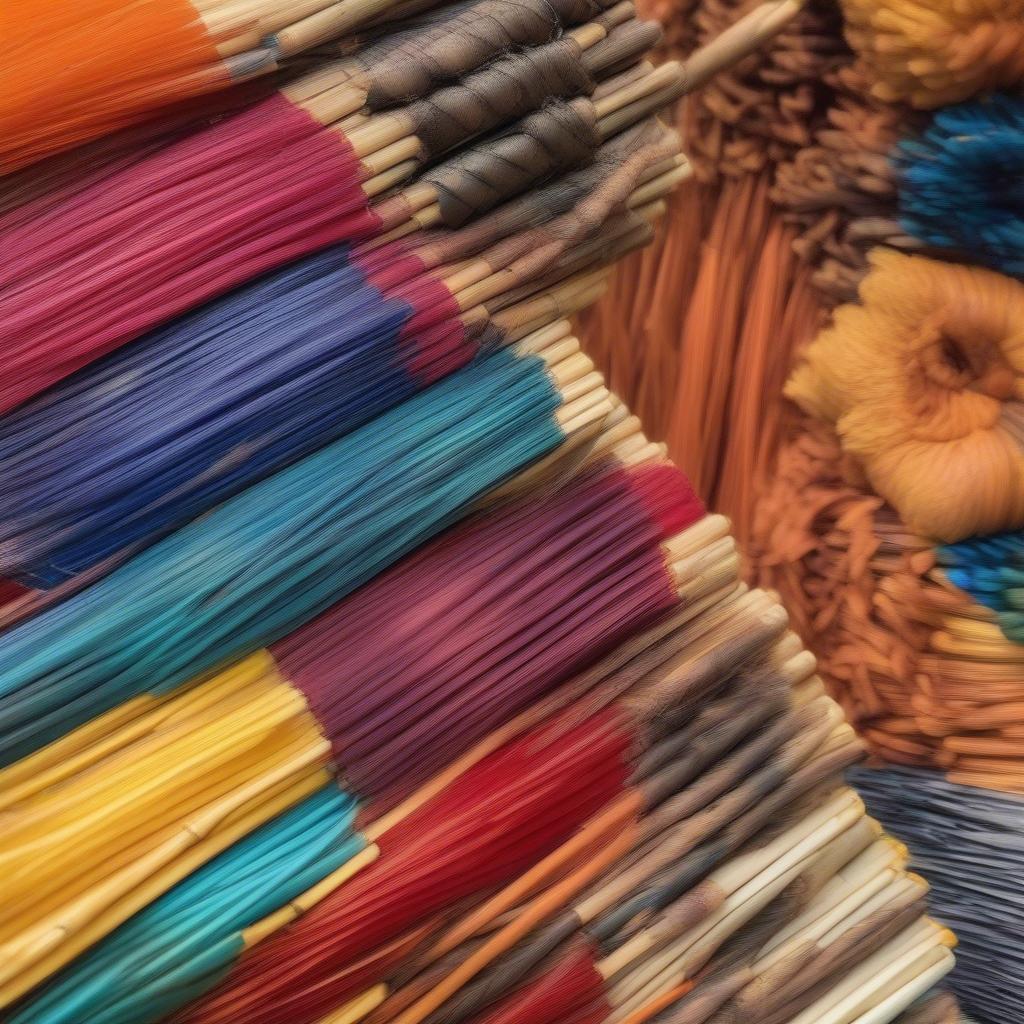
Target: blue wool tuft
[
  {"x": 991, "y": 570},
  {"x": 962, "y": 182}
]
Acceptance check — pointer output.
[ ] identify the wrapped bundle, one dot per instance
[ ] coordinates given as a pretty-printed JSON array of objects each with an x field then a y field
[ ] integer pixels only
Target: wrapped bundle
[
  {"x": 969, "y": 842},
  {"x": 122, "y": 60}
]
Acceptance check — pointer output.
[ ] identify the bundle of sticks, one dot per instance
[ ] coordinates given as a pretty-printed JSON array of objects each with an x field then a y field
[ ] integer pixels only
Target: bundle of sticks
[
  {"x": 381, "y": 667},
  {"x": 729, "y": 875},
  {"x": 300, "y": 170},
  {"x": 969, "y": 841}
]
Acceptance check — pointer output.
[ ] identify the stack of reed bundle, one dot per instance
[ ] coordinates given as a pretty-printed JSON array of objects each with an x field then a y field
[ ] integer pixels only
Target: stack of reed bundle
[
  {"x": 379, "y": 323},
  {"x": 150, "y": 241},
  {"x": 349, "y": 688},
  {"x": 633, "y": 916},
  {"x": 683, "y": 678},
  {"x": 919, "y": 663}
]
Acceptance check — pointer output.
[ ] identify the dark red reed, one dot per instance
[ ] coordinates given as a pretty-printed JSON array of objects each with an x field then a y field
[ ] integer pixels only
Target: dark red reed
[
  {"x": 571, "y": 990},
  {"x": 164, "y": 234},
  {"x": 436, "y": 653},
  {"x": 501, "y": 817}
]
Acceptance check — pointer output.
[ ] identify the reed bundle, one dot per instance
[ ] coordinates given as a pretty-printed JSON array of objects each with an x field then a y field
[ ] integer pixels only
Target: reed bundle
[
  {"x": 969, "y": 841},
  {"x": 276, "y": 716},
  {"x": 525, "y": 929},
  {"x": 284, "y": 550},
  {"x": 301, "y": 357},
  {"x": 282, "y": 179},
  {"x": 327, "y": 936},
  {"x": 176, "y": 947}
]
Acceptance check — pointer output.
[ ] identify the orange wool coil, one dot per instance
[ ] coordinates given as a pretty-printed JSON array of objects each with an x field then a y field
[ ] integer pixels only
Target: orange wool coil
[
  {"x": 923, "y": 379},
  {"x": 931, "y": 53}
]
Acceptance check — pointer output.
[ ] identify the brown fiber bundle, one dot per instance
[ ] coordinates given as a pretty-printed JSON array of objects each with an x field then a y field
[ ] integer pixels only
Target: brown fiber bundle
[{"x": 919, "y": 668}]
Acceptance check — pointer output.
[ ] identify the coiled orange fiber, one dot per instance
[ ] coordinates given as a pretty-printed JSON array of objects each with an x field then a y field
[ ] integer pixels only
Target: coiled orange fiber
[
  {"x": 921, "y": 671},
  {"x": 923, "y": 380},
  {"x": 59, "y": 63},
  {"x": 930, "y": 53}
]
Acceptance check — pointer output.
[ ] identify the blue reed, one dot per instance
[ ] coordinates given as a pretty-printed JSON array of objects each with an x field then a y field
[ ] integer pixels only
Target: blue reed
[
  {"x": 163, "y": 429},
  {"x": 186, "y": 941},
  {"x": 275, "y": 555}
]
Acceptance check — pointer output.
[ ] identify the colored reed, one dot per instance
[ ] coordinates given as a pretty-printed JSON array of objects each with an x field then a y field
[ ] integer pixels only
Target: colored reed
[
  {"x": 598, "y": 779},
  {"x": 579, "y": 981},
  {"x": 969, "y": 842},
  {"x": 152, "y": 240},
  {"x": 601, "y": 595},
  {"x": 669, "y": 663},
  {"x": 503, "y": 814},
  {"x": 291, "y": 363},
  {"x": 180, "y": 944},
  {"x": 282, "y": 551}
]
